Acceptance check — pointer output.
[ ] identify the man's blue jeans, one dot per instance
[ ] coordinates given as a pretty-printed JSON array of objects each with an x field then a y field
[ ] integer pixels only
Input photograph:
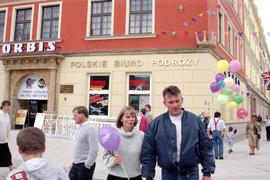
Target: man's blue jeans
[
  {"x": 180, "y": 174},
  {"x": 218, "y": 143}
]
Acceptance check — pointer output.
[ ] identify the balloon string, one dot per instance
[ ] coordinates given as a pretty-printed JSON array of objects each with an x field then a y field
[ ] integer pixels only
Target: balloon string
[{"x": 124, "y": 170}]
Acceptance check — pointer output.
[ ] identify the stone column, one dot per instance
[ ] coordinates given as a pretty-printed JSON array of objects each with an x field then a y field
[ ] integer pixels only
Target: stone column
[
  {"x": 51, "y": 91},
  {"x": 7, "y": 85}
]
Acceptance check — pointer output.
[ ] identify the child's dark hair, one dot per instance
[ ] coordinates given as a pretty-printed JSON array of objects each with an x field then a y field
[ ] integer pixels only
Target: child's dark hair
[
  {"x": 230, "y": 129},
  {"x": 31, "y": 140}
]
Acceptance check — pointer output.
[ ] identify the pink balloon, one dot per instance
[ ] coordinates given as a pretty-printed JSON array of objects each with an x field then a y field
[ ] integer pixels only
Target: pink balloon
[
  {"x": 242, "y": 113},
  {"x": 236, "y": 88},
  {"x": 234, "y": 66}
]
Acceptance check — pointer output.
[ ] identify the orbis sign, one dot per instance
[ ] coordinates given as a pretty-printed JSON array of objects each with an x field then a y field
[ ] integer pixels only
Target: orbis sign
[{"x": 29, "y": 47}]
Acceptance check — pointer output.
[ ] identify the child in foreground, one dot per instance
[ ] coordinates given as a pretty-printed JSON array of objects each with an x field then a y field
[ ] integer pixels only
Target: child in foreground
[{"x": 31, "y": 144}]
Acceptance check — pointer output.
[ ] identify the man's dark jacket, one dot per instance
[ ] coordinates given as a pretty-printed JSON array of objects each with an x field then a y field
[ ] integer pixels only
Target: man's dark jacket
[{"x": 160, "y": 142}]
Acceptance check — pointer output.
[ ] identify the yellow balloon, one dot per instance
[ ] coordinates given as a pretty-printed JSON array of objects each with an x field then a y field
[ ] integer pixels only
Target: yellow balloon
[
  {"x": 222, "y": 65},
  {"x": 231, "y": 104}
]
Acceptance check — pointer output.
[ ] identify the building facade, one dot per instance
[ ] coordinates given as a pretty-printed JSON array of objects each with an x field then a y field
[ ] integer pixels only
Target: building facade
[{"x": 106, "y": 54}]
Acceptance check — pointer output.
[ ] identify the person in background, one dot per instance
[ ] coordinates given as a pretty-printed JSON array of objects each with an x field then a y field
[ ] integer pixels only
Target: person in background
[
  {"x": 5, "y": 155},
  {"x": 253, "y": 131},
  {"x": 86, "y": 147},
  {"x": 202, "y": 115},
  {"x": 144, "y": 121},
  {"x": 31, "y": 146},
  {"x": 125, "y": 163},
  {"x": 178, "y": 140},
  {"x": 217, "y": 128},
  {"x": 267, "y": 127},
  {"x": 148, "y": 113},
  {"x": 231, "y": 136},
  {"x": 259, "y": 118}
]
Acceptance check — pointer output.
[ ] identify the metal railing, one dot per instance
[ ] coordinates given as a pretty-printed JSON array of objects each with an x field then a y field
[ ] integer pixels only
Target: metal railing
[{"x": 59, "y": 126}]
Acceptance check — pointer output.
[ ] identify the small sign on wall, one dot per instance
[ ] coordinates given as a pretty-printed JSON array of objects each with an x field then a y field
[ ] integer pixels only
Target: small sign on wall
[{"x": 66, "y": 88}]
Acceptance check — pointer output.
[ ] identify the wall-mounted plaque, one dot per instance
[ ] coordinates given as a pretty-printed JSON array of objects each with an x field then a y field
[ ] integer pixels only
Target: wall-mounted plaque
[{"x": 66, "y": 88}]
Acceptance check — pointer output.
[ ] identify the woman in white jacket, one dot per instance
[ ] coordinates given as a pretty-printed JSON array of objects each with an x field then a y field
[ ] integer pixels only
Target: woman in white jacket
[{"x": 5, "y": 155}]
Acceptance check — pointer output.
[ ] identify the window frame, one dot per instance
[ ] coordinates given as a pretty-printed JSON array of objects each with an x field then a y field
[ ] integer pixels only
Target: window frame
[
  {"x": 106, "y": 92},
  {"x": 139, "y": 92},
  {"x": 127, "y": 30},
  {"x": 5, "y": 10},
  {"x": 40, "y": 12},
  {"x": 24, "y": 22},
  {"x": 89, "y": 18},
  {"x": 220, "y": 27},
  {"x": 14, "y": 17}
]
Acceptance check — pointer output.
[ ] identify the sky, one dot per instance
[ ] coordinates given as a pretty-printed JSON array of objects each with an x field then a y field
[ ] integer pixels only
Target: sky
[{"x": 264, "y": 13}]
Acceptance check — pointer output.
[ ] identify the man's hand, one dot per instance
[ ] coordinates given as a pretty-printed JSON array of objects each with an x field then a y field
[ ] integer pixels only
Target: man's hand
[{"x": 206, "y": 178}]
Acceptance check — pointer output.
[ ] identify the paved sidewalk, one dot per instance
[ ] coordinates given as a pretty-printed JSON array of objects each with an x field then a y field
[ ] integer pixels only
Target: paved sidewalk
[{"x": 238, "y": 165}]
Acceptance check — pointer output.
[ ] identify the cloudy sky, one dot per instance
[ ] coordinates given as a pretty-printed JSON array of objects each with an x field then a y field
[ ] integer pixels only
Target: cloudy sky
[{"x": 264, "y": 12}]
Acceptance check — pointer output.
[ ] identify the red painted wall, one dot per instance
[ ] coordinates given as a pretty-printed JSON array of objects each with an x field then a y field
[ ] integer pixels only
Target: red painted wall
[{"x": 168, "y": 19}]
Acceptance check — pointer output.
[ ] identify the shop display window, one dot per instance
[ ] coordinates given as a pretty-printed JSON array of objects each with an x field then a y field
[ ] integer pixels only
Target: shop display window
[
  {"x": 99, "y": 95},
  {"x": 138, "y": 91}
]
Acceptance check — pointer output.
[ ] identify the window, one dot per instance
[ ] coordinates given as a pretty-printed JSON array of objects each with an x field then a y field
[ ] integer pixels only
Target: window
[
  {"x": 138, "y": 91},
  {"x": 140, "y": 20},
  {"x": 101, "y": 14},
  {"x": 50, "y": 22},
  {"x": 220, "y": 28},
  {"x": 230, "y": 40},
  {"x": 236, "y": 55},
  {"x": 99, "y": 95},
  {"x": 23, "y": 24},
  {"x": 2, "y": 25}
]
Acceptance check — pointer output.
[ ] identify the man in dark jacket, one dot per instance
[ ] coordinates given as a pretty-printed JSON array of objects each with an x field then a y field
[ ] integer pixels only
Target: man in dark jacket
[{"x": 178, "y": 140}]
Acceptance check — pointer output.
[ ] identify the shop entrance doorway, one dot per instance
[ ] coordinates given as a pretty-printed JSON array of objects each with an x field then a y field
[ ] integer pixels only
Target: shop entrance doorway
[{"x": 33, "y": 107}]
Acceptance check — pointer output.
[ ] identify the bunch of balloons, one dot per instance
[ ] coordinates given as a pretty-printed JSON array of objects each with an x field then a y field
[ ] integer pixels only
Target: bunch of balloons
[{"x": 228, "y": 91}]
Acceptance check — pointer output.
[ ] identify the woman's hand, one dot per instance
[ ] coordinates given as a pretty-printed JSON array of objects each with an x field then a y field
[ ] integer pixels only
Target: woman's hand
[{"x": 117, "y": 159}]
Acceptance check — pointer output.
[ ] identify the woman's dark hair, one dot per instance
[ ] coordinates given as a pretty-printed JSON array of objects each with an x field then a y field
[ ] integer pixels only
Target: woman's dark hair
[
  {"x": 5, "y": 103},
  {"x": 123, "y": 111},
  {"x": 143, "y": 111}
]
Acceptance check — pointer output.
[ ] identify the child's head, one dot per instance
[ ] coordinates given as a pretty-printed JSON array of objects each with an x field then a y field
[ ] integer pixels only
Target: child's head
[
  {"x": 230, "y": 129},
  {"x": 31, "y": 140}
]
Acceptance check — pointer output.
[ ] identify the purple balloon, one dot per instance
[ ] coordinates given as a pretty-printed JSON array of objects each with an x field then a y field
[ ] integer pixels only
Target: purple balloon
[
  {"x": 214, "y": 87},
  {"x": 109, "y": 138},
  {"x": 219, "y": 77}
]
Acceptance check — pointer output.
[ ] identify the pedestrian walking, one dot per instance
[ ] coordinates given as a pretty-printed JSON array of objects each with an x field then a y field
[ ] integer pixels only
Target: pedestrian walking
[
  {"x": 148, "y": 112},
  {"x": 144, "y": 121},
  {"x": 253, "y": 133},
  {"x": 230, "y": 137},
  {"x": 85, "y": 147},
  {"x": 31, "y": 146},
  {"x": 5, "y": 155},
  {"x": 267, "y": 127},
  {"x": 125, "y": 163},
  {"x": 217, "y": 128},
  {"x": 178, "y": 140}
]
